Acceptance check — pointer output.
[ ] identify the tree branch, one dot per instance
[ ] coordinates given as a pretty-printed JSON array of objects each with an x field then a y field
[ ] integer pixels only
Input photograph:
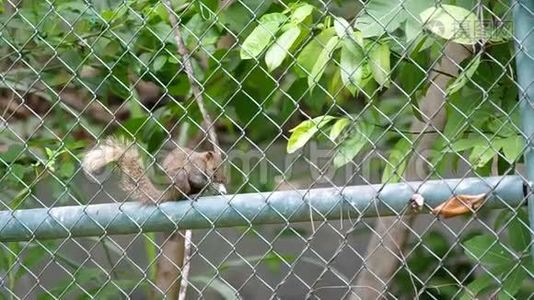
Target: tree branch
[
  {"x": 176, "y": 247},
  {"x": 94, "y": 109},
  {"x": 195, "y": 86}
]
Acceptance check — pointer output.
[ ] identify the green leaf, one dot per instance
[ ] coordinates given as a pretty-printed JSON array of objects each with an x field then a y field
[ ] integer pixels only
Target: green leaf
[
  {"x": 151, "y": 253},
  {"x": 518, "y": 232},
  {"x": 145, "y": 58},
  {"x": 225, "y": 290},
  {"x": 351, "y": 65},
  {"x": 133, "y": 127},
  {"x": 20, "y": 197},
  {"x": 379, "y": 61},
  {"x": 342, "y": 27},
  {"x": 159, "y": 62},
  {"x": 486, "y": 281},
  {"x": 380, "y": 16},
  {"x": 512, "y": 283},
  {"x": 207, "y": 8},
  {"x": 334, "y": 88},
  {"x": 351, "y": 146},
  {"x": 254, "y": 259},
  {"x": 115, "y": 289},
  {"x": 512, "y": 148},
  {"x": 301, "y": 134},
  {"x": 502, "y": 219},
  {"x": 14, "y": 152},
  {"x": 464, "y": 144},
  {"x": 437, "y": 243},
  {"x": 308, "y": 56},
  {"x": 113, "y": 15},
  {"x": 71, "y": 286},
  {"x": 274, "y": 17},
  {"x": 52, "y": 156},
  {"x": 156, "y": 138},
  {"x": 501, "y": 126},
  {"x": 338, "y": 127},
  {"x": 358, "y": 38},
  {"x": 137, "y": 110},
  {"x": 279, "y": 50},
  {"x": 261, "y": 36},
  {"x": 321, "y": 61},
  {"x": 412, "y": 29},
  {"x": 452, "y": 23},
  {"x": 477, "y": 286},
  {"x": 67, "y": 169},
  {"x": 482, "y": 154},
  {"x": 301, "y": 13},
  {"x": 18, "y": 171},
  {"x": 414, "y": 85},
  {"x": 397, "y": 161},
  {"x": 464, "y": 77},
  {"x": 34, "y": 254},
  {"x": 238, "y": 14},
  {"x": 487, "y": 250}
]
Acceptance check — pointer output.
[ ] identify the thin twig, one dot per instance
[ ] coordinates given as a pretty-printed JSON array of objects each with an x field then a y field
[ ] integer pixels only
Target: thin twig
[
  {"x": 195, "y": 86},
  {"x": 186, "y": 266},
  {"x": 93, "y": 108},
  {"x": 197, "y": 93},
  {"x": 432, "y": 131}
]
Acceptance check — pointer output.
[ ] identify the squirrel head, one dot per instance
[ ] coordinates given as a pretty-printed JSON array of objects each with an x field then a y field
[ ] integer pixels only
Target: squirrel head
[
  {"x": 208, "y": 170},
  {"x": 215, "y": 171},
  {"x": 214, "y": 166}
]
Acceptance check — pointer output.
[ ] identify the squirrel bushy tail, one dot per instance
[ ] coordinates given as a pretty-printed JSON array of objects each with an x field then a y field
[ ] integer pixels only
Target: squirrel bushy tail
[{"x": 134, "y": 180}]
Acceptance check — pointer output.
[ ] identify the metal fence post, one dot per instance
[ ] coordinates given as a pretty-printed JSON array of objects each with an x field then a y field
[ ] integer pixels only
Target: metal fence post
[{"x": 523, "y": 20}]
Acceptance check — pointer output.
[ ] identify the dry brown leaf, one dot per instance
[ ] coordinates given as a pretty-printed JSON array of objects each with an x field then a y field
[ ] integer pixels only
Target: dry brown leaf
[{"x": 459, "y": 205}]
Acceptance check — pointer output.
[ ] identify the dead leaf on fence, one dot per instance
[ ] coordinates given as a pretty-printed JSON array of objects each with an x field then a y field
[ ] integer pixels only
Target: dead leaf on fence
[{"x": 459, "y": 205}]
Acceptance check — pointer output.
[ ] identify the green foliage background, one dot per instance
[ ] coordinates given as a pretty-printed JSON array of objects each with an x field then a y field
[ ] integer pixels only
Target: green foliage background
[{"x": 271, "y": 72}]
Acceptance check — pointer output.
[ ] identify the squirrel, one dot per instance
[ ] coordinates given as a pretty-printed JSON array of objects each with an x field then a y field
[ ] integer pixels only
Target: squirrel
[{"x": 189, "y": 171}]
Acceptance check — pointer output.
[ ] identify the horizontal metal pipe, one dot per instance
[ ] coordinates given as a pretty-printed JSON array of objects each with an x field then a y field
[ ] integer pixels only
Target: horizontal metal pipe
[{"x": 247, "y": 209}]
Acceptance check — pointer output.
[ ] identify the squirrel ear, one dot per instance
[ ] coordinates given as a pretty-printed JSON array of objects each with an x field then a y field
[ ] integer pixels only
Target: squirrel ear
[{"x": 209, "y": 154}]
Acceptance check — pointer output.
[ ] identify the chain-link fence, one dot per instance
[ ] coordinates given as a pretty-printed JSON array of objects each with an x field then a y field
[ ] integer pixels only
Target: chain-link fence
[{"x": 260, "y": 149}]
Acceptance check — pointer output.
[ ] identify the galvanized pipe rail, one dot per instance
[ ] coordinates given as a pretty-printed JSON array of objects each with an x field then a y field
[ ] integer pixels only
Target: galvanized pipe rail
[
  {"x": 251, "y": 209},
  {"x": 294, "y": 206}
]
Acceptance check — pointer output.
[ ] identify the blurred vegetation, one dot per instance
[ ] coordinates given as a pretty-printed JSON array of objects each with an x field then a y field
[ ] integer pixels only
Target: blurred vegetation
[{"x": 272, "y": 72}]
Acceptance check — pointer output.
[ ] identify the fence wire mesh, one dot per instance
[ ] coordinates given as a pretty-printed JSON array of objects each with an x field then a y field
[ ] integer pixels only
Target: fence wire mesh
[{"x": 295, "y": 96}]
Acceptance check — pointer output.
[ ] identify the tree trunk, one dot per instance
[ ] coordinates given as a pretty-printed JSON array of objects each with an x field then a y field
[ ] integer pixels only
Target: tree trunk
[
  {"x": 384, "y": 251},
  {"x": 170, "y": 261}
]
